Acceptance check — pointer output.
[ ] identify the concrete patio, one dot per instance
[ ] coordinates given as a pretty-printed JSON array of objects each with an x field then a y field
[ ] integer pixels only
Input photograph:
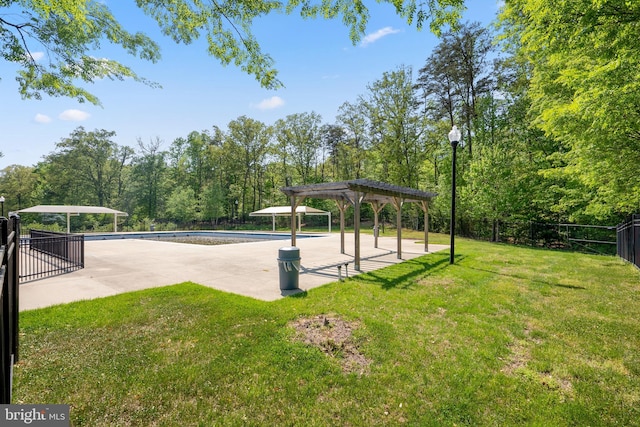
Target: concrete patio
[{"x": 250, "y": 269}]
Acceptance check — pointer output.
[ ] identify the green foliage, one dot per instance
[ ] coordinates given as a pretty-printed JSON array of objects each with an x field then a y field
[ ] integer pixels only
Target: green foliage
[
  {"x": 299, "y": 139},
  {"x": 69, "y": 30},
  {"x": 584, "y": 84},
  {"x": 396, "y": 128},
  {"x": 181, "y": 205},
  {"x": 87, "y": 168}
]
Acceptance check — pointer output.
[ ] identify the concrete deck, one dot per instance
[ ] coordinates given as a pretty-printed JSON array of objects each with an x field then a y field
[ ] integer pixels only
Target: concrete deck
[{"x": 250, "y": 269}]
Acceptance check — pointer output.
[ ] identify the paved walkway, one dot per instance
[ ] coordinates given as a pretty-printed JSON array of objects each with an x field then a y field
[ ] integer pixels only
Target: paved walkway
[{"x": 251, "y": 269}]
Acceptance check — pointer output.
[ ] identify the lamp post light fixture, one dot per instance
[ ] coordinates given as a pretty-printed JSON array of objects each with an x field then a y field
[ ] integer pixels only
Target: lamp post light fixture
[
  {"x": 454, "y": 139},
  {"x": 2, "y": 203}
]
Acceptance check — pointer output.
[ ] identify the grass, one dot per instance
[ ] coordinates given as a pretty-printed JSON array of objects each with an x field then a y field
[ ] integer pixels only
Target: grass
[{"x": 506, "y": 336}]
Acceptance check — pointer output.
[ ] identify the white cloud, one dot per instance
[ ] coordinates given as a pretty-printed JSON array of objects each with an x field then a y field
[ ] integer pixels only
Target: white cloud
[
  {"x": 373, "y": 37},
  {"x": 269, "y": 103},
  {"x": 36, "y": 56},
  {"x": 74, "y": 115},
  {"x": 42, "y": 118}
]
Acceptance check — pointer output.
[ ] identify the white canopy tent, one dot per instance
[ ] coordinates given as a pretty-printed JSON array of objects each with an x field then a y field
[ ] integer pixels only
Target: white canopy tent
[
  {"x": 275, "y": 211},
  {"x": 75, "y": 210}
]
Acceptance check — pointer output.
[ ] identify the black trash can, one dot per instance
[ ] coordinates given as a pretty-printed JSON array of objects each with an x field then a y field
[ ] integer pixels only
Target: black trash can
[{"x": 289, "y": 266}]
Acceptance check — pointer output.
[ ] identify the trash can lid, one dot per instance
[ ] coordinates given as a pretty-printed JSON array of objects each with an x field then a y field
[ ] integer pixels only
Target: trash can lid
[{"x": 289, "y": 252}]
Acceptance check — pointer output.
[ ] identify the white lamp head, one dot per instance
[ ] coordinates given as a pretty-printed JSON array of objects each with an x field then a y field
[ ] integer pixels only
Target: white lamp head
[{"x": 454, "y": 134}]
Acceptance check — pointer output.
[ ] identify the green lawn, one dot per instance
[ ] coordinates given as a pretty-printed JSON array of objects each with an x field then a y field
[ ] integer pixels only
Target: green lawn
[{"x": 506, "y": 336}]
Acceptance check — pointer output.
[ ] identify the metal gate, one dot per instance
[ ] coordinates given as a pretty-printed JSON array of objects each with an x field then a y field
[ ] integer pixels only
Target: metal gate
[{"x": 48, "y": 253}]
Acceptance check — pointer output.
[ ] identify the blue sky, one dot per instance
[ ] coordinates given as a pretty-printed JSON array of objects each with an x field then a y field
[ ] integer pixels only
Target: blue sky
[{"x": 317, "y": 62}]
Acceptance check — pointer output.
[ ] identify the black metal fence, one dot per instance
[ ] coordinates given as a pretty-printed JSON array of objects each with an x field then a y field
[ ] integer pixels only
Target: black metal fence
[
  {"x": 629, "y": 240},
  {"x": 48, "y": 253},
  {"x": 9, "y": 308},
  {"x": 576, "y": 237}
]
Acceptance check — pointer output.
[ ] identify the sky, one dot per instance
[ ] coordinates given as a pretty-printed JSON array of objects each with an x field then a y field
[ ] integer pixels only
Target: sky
[{"x": 317, "y": 62}]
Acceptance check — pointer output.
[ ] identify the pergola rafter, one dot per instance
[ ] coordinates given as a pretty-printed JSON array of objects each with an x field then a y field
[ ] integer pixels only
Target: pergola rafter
[{"x": 358, "y": 191}]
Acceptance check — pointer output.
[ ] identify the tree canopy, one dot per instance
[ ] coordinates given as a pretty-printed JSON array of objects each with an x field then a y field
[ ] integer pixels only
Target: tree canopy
[
  {"x": 70, "y": 30},
  {"x": 584, "y": 82}
]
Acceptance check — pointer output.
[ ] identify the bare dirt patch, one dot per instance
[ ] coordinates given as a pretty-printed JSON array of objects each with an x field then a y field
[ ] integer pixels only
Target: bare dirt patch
[{"x": 334, "y": 337}]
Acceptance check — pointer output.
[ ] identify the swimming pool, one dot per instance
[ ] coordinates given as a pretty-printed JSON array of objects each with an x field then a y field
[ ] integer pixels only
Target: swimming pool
[{"x": 228, "y": 235}]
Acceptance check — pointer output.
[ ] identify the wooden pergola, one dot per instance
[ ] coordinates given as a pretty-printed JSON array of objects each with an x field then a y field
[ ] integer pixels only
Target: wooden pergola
[{"x": 358, "y": 191}]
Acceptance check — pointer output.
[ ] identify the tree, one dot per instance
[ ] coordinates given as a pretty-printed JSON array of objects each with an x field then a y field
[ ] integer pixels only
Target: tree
[
  {"x": 456, "y": 76},
  {"x": 88, "y": 166},
  {"x": 18, "y": 184},
  {"x": 182, "y": 205},
  {"x": 396, "y": 127},
  {"x": 300, "y": 137},
  {"x": 70, "y": 30},
  {"x": 583, "y": 89},
  {"x": 149, "y": 168},
  {"x": 354, "y": 120},
  {"x": 249, "y": 140}
]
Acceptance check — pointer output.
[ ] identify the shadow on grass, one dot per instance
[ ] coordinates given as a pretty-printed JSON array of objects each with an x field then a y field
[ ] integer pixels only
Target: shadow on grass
[
  {"x": 404, "y": 275},
  {"x": 296, "y": 293}
]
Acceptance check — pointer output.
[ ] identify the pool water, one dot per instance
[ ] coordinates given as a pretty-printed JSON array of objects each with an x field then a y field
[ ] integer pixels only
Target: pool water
[{"x": 198, "y": 237}]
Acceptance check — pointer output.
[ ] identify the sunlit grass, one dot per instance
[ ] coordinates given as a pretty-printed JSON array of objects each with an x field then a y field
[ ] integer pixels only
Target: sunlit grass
[{"x": 505, "y": 336}]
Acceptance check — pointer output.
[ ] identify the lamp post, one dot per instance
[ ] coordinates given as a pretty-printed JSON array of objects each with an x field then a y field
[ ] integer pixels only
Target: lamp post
[
  {"x": 2, "y": 203},
  {"x": 454, "y": 139}
]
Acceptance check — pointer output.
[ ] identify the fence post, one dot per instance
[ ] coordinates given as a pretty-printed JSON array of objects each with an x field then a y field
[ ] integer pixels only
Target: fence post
[
  {"x": 15, "y": 286},
  {"x": 9, "y": 309},
  {"x": 635, "y": 225}
]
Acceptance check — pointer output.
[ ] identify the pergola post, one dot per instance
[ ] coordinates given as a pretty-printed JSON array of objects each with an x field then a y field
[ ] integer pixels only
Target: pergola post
[
  {"x": 397, "y": 203},
  {"x": 294, "y": 206},
  {"x": 357, "y": 199},
  {"x": 425, "y": 209},
  {"x": 377, "y": 208},
  {"x": 342, "y": 206}
]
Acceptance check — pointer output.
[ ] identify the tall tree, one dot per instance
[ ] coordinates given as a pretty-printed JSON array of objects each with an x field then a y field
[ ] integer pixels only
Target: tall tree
[
  {"x": 89, "y": 160},
  {"x": 457, "y": 74},
  {"x": 300, "y": 138},
  {"x": 249, "y": 140},
  {"x": 584, "y": 57},
  {"x": 397, "y": 127},
  {"x": 353, "y": 117},
  {"x": 149, "y": 168},
  {"x": 18, "y": 184}
]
